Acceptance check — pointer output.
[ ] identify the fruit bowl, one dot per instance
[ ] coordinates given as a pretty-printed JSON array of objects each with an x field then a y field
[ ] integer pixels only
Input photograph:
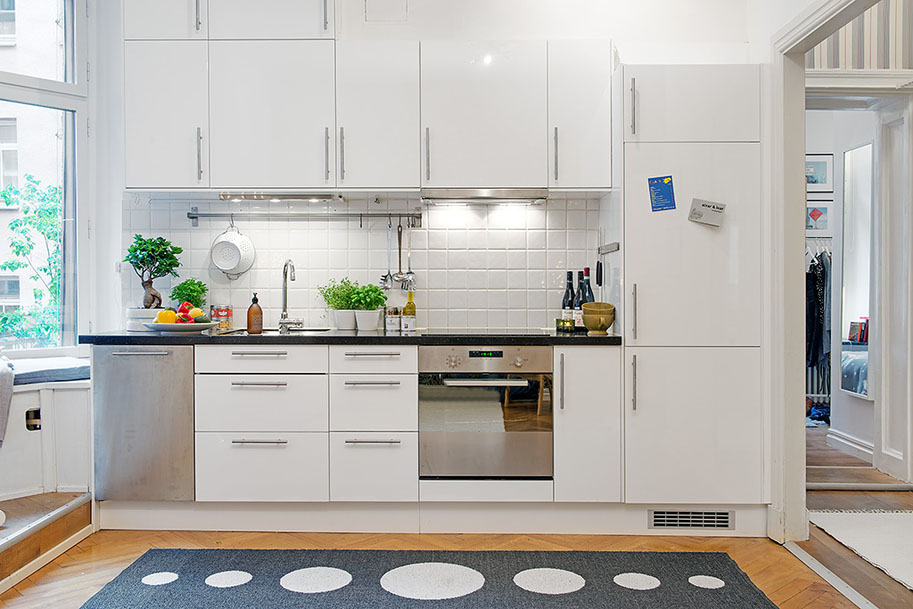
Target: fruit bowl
[{"x": 181, "y": 328}]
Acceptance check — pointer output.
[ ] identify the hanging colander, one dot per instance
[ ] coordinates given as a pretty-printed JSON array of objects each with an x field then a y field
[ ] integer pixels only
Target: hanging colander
[{"x": 232, "y": 252}]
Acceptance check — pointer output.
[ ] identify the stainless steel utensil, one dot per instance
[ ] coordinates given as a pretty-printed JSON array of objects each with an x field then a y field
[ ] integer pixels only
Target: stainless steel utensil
[
  {"x": 386, "y": 281},
  {"x": 409, "y": 278},
  {"x": 400, "y": 276}
]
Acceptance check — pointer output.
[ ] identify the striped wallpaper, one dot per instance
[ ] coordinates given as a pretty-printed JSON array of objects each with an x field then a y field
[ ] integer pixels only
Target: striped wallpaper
[{"x": 881, "y": 39}]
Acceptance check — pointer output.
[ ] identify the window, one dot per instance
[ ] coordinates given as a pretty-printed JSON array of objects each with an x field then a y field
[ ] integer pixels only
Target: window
[
  {"x": 7, "y": 22},
  {"x": 9, "y": 154},
  {"x": 9, "y": 294}
]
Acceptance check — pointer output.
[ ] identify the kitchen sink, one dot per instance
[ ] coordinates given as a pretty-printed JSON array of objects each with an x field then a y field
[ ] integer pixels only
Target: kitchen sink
[{"x": 275, "y": 331}]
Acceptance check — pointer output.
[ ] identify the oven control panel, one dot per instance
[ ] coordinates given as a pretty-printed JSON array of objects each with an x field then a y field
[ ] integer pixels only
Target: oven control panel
[{"x": 443, "y": 359}]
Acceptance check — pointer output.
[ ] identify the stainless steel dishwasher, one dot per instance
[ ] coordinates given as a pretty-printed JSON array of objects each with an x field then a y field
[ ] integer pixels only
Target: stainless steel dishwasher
[{"x": 143, "y": 422}]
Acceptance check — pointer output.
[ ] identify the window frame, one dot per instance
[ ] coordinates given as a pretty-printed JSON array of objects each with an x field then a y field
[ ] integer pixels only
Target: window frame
[
  {"x": 79, "y": 63},
  {"x": 7, "y": 40},
  {"x": 4, "y": 146}
]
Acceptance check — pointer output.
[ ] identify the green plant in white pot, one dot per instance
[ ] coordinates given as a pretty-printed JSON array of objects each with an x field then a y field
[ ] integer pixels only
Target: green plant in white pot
[
  {"x": 369, "y": 301},
  {"x": 339, "y": 298}
]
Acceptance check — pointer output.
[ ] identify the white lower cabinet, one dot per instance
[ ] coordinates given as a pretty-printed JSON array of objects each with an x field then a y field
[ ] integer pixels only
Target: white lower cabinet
[
  {"x": 377, "y": 402},
  {"x": 373, "y": 466},
  {"x": 587, "y": 424},
  {"x": 693, "y": 425},
  {"x": 276, "y": 466}
]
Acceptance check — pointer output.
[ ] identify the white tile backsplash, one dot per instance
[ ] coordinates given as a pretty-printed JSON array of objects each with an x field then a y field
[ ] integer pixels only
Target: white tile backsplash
[{"x": 495, "y": 266}]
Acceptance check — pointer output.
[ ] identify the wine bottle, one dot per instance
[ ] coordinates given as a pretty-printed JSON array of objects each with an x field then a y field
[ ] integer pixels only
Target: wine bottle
[
  {"x": 589, "y": 289},
  {"x": 567, "y": 304},
  {"x": 408, "y": 320},
  {"x": 579, "y": 299}
]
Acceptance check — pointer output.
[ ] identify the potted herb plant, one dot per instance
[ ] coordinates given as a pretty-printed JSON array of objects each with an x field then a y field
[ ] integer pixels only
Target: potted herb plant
[
  {"x": 150, "y": 258},
  {"x": 190, "y": 290},
  {"x": 338, "y": 296},
  {"x": 368, "y": 300}
]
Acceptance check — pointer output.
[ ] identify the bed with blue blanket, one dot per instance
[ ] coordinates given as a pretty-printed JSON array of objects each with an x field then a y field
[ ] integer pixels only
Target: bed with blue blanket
[{"x": 854, "y": 369}]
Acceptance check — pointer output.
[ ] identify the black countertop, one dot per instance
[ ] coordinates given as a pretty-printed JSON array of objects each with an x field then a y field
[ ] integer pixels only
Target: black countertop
[{"x": 482, "y": 336}]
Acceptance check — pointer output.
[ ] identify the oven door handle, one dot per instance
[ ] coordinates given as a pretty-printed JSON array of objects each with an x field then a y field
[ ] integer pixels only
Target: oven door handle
[{"x": 486, "y": 383}]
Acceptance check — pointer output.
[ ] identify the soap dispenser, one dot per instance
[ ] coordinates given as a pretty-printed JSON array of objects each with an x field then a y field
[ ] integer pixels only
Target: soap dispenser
[{"x": 254, "y": 316}]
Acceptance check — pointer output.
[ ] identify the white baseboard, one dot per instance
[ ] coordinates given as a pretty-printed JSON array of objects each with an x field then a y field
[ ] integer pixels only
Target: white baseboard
[
  {"x": 570, "y": 518},
  {"x": 45, "y": 558},
  {"x": 21, "y": 493},
  {"x": 850, "y": 444}
]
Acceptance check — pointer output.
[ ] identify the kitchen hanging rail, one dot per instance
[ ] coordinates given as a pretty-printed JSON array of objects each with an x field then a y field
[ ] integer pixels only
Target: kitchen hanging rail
[{"x": 414, "y": 217}]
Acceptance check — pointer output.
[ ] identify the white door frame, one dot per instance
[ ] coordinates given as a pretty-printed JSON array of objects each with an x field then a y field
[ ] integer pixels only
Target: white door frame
[{"x": 783, "y": 334}]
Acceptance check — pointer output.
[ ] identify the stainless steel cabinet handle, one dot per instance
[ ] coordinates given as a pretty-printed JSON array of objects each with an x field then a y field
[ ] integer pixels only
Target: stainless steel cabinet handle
[
  {"x": 556, "y": 154},
  {"x": 634, "y": 383},
  {"x": 485, "y": 383},
  {"x": 326, "y": 152},
  {"x": 634, "y": 320},
  {"x": 199, "y": 153},
  {"x": 374, "y": 441},
  {"x": 141, "y": 353},
  {"x": 373, "y": 354},
  {"x": 633, "y": 106},
  {"x": 276, "y": 442},
  {"x": 326, "y": 17},
  {"x": 197, "y": 22},
  {"x": 342, "y": 153},
  {"x": 561, "y": 377},
  {"x": 265, "y": 353},
  {"x": 257, "y": 384},
  {"x": 427, "y": 154},
  {"x": 371, "y": 383}
]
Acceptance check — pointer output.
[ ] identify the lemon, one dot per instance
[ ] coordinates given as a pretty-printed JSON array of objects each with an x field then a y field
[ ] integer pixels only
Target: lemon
[{"x": 195, "y": 312}]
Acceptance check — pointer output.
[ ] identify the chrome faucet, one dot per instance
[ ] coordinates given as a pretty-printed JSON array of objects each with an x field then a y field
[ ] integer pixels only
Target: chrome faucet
[{"x": 288, "y": 272}]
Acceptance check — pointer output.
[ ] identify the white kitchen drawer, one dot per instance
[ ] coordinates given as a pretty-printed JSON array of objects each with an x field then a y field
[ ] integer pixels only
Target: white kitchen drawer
[
  {"x": 373, "y": 466},
  {"x": 262, "y": 467},
  {"x": 374, "y": 359},
  {"x": 374, "y": 402},
  {"x": 295, "y": 359},
  {"x": 261, "y": 402}
]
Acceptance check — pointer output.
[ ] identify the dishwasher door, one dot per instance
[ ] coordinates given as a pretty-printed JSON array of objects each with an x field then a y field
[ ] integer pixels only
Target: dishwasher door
[{"x": 143, "y": 422}]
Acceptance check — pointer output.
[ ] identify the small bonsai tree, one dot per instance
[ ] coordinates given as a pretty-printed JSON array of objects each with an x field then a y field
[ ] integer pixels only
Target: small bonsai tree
[
  {"x": 190, "y": 290},
  {"x": 369, "y": 298},
  {"x": 339, "y": 294},
  {"x": 151, "y": 259}
]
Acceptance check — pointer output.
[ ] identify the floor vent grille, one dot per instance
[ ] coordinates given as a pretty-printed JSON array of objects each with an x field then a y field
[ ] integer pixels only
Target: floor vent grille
[{"x": 678, "y": 519}]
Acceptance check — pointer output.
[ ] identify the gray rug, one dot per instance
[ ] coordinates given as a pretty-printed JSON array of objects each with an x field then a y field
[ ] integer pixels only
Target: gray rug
[{"x": 337, "y": 579}]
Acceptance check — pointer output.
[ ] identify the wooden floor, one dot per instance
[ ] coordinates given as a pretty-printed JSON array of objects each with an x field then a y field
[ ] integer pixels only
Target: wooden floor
[
  {"x": 827, "y": 464},
  {"x": 24, "y": 511},
  {"x": 71, "y": 579}
]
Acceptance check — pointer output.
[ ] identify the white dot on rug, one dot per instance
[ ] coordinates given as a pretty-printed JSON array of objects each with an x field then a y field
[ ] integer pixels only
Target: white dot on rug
[
  {"x": 432, "y": 581},
  {"x": 549, "y": 581},
  {"x": 228, "y": 579},
  {"x": 315, "y": 579},
  {"x": 706, "y": 581},
  {"x": 159, "y": 579},
  {"x": 636, "y": 581}
]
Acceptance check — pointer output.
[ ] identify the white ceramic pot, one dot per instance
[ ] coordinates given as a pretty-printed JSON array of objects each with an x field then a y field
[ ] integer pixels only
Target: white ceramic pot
[
  {"x": 135, "y": 317},
  {"x": 368, "y": 320},
  {"x": 344, "y": 319}
]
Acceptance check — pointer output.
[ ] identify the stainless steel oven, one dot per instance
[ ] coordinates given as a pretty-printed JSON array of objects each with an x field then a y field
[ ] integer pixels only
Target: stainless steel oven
[{"x": 485, "y": 412}]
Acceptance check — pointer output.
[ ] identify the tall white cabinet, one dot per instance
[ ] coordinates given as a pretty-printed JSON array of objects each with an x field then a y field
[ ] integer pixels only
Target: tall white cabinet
[
  {"x": 166, "y": 110},
  {"x": 484, "y": 112},
  {"x": 377, "y": 113},
  {"x": 580, "y": 113},
  {"x": 693, "y": 416},
  {"x": 259, "y": 140}
]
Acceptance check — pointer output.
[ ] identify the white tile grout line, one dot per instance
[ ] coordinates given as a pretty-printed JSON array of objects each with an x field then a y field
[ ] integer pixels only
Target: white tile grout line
[{"x": 829, "y": 576}]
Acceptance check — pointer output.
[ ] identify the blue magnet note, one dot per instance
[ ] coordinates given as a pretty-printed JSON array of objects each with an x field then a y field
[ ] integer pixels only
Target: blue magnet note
[{"x": 662, "y": 194}]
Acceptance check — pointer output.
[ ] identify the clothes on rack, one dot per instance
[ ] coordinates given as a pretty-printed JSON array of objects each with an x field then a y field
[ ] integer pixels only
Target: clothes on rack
[{"x": 818, "y": 323}]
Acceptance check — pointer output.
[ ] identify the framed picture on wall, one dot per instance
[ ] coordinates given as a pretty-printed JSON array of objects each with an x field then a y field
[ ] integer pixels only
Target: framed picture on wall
[
  {"x": 818, "y": 219},
  {"x": 819, "y": 173}
]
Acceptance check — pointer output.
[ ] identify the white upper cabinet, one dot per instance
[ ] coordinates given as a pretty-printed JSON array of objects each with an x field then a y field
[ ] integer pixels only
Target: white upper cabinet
[
  {"x": 690, "y": 284},
  {"x": 165, "y": 19},
  {"x": 693, "y": 423},
  {"x": 272, "y": 114},
  {"x": 166, "y": 110},
  {"x": 580, "y": 113},
  {"x": 377, "y": 113},
  {"x": 270, "y": 19},
  {"x": 692, "y": 103},
  {"x": 484, "y": 114},
  {"x": 586, "y": 405}
]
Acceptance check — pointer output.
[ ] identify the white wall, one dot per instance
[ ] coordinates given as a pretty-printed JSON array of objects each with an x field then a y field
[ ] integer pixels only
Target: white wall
[
  {"x": 645, "y": 31},
  {"x": 838, "y": 132},
  {"x": 766, "y": 18}
]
